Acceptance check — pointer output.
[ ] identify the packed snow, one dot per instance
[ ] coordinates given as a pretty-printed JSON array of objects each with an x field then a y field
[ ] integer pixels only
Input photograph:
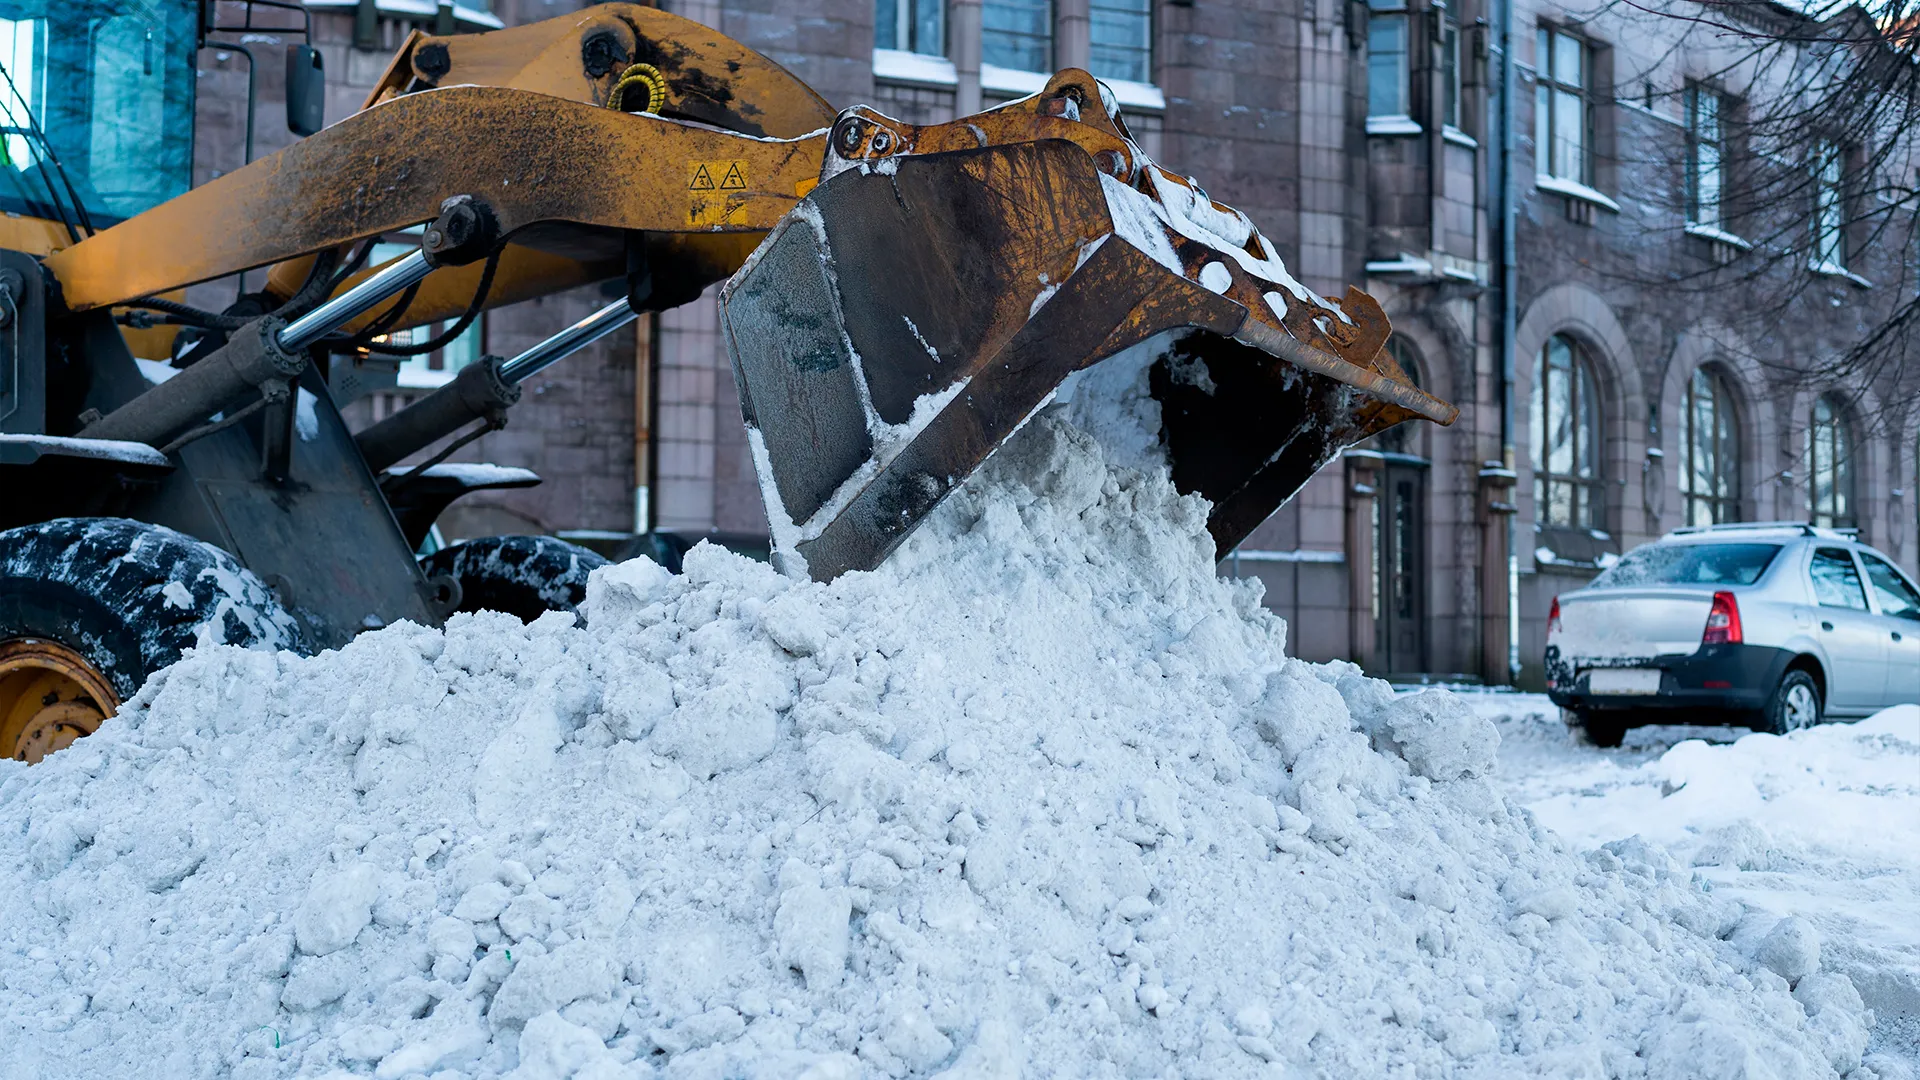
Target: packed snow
[
  {"x": 1819, "y": 828},
  {"x": 1041, "y": 796}
]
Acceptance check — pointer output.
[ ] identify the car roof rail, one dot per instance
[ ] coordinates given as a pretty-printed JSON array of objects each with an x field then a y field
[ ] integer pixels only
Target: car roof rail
[{"x": 1803, "y": 528}]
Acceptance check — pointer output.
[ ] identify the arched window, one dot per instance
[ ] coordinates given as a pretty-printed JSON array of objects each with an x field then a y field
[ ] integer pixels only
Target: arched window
[
  {"x": 1830, "y": 461},
  {"x": 1566, "y": 438},
  {"x": 1400, "y": 439},
  {"x": 1710, "y": 450}
]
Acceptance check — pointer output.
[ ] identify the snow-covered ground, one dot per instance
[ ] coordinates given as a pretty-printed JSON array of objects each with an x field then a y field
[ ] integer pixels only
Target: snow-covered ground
[{"x": 1822, "y": 824}]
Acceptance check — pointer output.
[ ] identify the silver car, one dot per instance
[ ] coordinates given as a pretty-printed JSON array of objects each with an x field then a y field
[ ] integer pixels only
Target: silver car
[{"x": 1772, "y": 625}]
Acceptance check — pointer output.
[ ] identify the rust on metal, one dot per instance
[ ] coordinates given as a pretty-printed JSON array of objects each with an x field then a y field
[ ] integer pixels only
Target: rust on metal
[
  {"x": 50, "y": 696},
  {"x": 561, "y": 176}
]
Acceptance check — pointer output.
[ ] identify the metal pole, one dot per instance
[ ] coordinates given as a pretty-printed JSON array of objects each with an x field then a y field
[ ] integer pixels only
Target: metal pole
[
  {"x": 568, "y": 341},
  {"x": 246, "y": 153},
  {"x": 340, "y": 310}
]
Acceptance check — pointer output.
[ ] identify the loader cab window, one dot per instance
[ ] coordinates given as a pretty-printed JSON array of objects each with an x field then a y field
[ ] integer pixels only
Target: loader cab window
[{"x": 96, "y": 106}]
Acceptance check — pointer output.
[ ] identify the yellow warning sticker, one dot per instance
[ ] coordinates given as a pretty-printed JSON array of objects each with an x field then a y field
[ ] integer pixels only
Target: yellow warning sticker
[{"x": 716, "y": 176}]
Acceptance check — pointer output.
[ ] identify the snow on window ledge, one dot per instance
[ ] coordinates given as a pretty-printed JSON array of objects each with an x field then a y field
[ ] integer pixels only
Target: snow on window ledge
[
  {"x": 898, "y": 65},
  {"x": 1709, "y": 232},
  {"x": 421, "y": 377},
  {"x": 1393, "y": 125},
  {"x": 995, "y": 79},
  {"x": 999, "y": 80},
  {"x": 1459, "y": 138},
  {"x": 1832, "y": 269},
  {"x": 1573, "y": 189},
  {"x": 1405, "y": 264},
  {"x": 1137, "y": 95}
]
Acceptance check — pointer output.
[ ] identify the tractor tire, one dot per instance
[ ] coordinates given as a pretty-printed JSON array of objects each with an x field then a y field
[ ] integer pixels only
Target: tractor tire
[
  {"x": 90, "y": 607},
  {"x": 524, "y": 576},
  {"x": 1795, "y": 704}
]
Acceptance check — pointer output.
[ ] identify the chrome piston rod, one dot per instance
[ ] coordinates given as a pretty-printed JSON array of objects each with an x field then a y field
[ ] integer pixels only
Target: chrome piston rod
[
  {"x": 481, "y": 391},
  {"x": 567, "y": 342},
  {"x": 342, "y": 309}
]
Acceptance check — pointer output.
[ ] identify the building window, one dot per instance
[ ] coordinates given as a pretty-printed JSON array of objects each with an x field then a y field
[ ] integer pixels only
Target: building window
[
  {"x": 1560, "y": 116},
  {"x": 1829, "y": 209},
  {"x": 918, "y": 26},
  {"x": 1017, "y": 34},
  {"x": 1566, "y": 438},
  {"x": 1449, "y": 69},
  {"x": 1387, "y": 58},
  {"x": 1710, "y": 445},
  {"x": 1706, "y": 156},
  {"x": 1123, "y": 40},
  {"x": 1401, "y": 438},
  {"x": 1830, "y": 461}
]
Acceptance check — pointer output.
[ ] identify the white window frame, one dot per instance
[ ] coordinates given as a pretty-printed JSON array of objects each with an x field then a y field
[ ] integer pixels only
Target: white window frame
[
  {"x": 1554, "y": 89},
  {"x": 1829, "y": 209},
  {"x": 912, "y": 23},
  {"x": 1706, "y": 156},
  {"x": 1389, "y": 70}
]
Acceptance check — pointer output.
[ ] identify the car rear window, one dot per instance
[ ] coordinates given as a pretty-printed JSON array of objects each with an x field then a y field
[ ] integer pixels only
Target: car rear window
[{"x": 1690, "y": 564}]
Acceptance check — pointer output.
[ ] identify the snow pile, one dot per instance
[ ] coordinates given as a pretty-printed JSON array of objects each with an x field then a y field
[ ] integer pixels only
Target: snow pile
[
  {"x": 1820, "y": 828},
  {"x": 1040, "y": 797}
]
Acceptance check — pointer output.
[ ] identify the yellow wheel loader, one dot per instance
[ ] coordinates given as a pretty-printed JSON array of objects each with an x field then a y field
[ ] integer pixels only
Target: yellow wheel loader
[{"x": 899, "y": 299}]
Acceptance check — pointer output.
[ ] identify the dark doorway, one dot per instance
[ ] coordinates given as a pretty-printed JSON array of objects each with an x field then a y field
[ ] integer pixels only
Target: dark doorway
[{"x": 1399, "y": 571}]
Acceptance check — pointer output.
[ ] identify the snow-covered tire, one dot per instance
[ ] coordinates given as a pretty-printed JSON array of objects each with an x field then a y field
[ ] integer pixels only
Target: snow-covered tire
[
  {"x": 128, "y": 596},
  {"x": 524, "y": 576},
  {"x": 1795, "y": 704}
]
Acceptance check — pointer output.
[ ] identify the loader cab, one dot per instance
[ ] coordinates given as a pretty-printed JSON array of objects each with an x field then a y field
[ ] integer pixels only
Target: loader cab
[{"x": 96, "y": 114}]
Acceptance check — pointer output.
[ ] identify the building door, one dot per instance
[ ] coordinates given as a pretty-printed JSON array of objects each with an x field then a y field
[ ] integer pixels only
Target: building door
[{"x": 1400, "y": 560}]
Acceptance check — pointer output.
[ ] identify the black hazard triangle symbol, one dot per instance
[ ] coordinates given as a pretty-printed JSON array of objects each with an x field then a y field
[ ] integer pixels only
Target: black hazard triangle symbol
[
  {"x": 736, "y": 178},
  {"x": 702, "y": 180}
]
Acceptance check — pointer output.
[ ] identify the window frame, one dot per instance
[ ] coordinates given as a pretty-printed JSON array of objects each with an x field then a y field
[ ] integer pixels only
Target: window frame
[
  {"x": 1852, "y": 565},
  {"x": 1380, "y": 15},
  {"x": 1145, "y": 52},
  {"x": 1700, "y": 211},
  {"x": 1836, "y": 432},
  {"x": 1829, "y": 199},
  {"x": 1584, "y": 400},
  {"x": 1869, "y": 560},
  {"x": 1721, "y": 500},
  {"x": 1045, "y": 38},
  {"x": 1452, "y": 89},
  {"x": 1547, "y": 86},
  {"x": 910, "y": 17}
]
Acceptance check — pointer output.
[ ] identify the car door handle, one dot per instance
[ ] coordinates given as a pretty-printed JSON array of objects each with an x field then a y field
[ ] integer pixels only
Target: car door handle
[
  {"x": 1825, "y": 625},
  {"x": 1896, "y": 635}
]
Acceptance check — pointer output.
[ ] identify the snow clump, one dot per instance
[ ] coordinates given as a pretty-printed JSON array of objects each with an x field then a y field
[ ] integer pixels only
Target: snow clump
[{"x": 1042, "y": 796}]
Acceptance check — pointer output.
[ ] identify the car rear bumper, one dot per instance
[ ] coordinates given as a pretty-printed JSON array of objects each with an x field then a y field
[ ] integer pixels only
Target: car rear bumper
[{"x": 1731, "y": 678}]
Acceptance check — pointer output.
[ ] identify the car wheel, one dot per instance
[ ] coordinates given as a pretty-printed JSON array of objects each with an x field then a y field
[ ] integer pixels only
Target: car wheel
[
  {"x": 1795, "y": 704},
  {"x": 1599, "y": 730}
]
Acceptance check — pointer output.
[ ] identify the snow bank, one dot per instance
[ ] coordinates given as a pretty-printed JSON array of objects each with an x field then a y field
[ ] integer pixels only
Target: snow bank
[
  {"x": 1818, "y": 830},
  {"x": 1039, "y": 797}
]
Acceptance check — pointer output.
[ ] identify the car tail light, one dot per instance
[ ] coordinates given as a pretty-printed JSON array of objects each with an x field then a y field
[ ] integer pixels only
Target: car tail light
[
  {"x": 1553, "y": 617},
  {"x": 1723, "y": 621}
]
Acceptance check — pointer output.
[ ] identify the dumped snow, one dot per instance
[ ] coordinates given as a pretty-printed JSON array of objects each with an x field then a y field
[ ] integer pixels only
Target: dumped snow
[{"x": 1041, "y": 796}]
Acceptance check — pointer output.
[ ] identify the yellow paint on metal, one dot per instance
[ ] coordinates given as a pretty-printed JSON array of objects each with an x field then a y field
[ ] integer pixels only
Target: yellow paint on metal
[
  {"x": 50, "y": 696},
  {"x": 577, "y": 177}
]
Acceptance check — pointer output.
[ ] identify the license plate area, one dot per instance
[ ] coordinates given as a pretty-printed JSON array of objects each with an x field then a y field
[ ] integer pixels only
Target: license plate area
[{"x": 1623, "y": 681}]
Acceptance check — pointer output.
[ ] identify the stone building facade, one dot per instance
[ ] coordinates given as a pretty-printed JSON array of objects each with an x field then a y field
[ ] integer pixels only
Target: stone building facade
[{"x": 1370, "y": 141}]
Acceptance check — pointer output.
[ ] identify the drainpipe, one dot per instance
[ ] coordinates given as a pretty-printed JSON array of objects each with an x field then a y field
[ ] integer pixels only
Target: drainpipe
[{"x": 1509, "y": 318}]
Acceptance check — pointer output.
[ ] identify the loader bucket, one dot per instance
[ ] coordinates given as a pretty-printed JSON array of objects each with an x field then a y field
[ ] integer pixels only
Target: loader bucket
[{"x": 905, "y": 319}]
